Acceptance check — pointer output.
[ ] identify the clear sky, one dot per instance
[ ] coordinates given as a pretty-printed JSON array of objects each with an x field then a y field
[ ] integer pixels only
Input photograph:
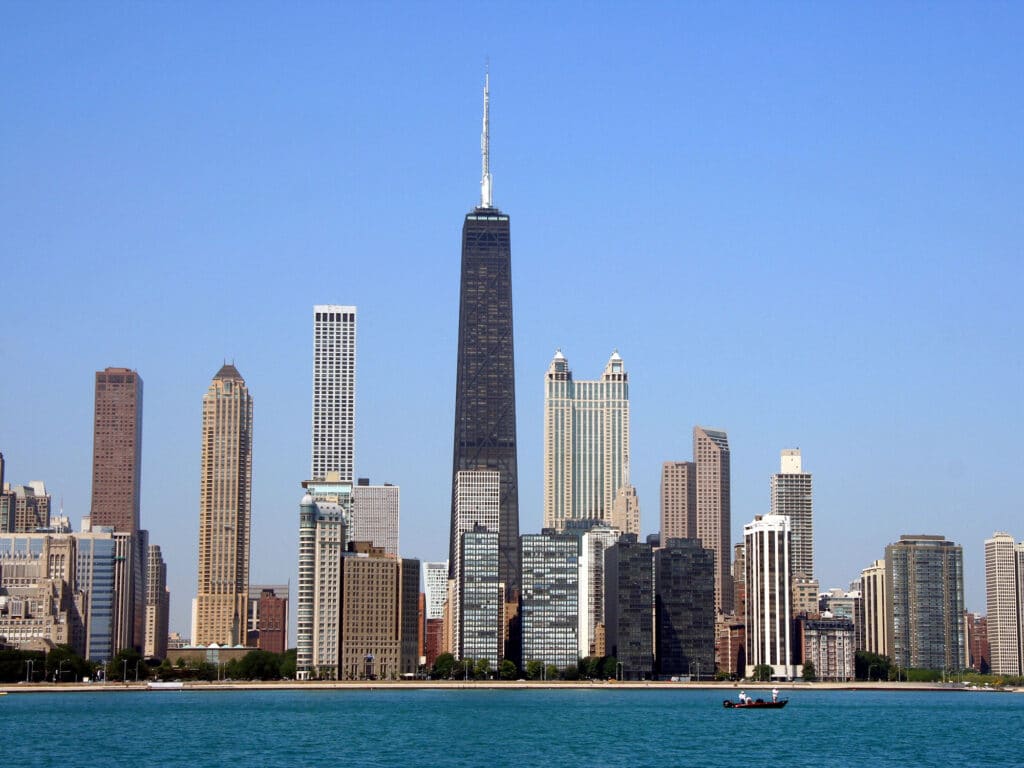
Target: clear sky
[{"x": 800, "y": 223}]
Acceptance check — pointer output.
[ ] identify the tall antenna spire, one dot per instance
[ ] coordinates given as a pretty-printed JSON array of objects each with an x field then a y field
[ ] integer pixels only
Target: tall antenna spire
[{"x": 485, "y": 144}]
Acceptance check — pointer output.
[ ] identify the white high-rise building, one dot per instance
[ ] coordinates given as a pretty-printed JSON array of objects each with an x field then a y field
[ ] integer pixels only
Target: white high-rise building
[
  {"x": 586, "y": 443},
  {"x": 1004, "y": 595},
  {"x": 874, "y": 632},
  {"x": 591, "y": 586},
  {"x": 334, "y": 390},
  {"x": 768, "y": 611},
  {"x": 791, "y": 496},
  {"x": 375, "y": 511},
  {"x": 435, "y": 587},
  {"x": 477, "y": 509}
]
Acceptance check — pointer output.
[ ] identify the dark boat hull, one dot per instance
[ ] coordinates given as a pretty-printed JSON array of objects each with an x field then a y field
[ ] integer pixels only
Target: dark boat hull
[{"x": 759, "y": 704}]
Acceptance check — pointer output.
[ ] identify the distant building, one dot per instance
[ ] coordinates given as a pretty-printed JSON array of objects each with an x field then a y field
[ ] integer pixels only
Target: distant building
[
  {"x": 629, "y": 605},
  {"x": 678, "y": 500},
  {"x": 411, "y": 626},
  {"x": 550, "y": 609},
  {"x": 1004, "y": 597},
  {"x": 157, "y": 605},
  {"x": 375, "y": 515},
  {"x": 117, "y": 450},
  {"x": 684, "y": 591},
  {"x": 480, "y": 597},
  {"x": 586, "y": 446},
  {"x": 321, "y": 550},
  {"x": 371, "y": 598},
  {"x": 268, "y": 617},
  {"x": 477, "y": 508},
  {"x": 875, "y": 596},
  {"x": 791, "y": 495},
  {"x": 768, "y": 618},
  {"x": 595, "y": 537},
  {"x": 845, "y": 604},
  {"x": 830, "y": 644},
  {"x": 24, "y": 508},
  {"x": 731, "y": 645},
  {"x": 225, "y": 511},
  {"x": 925, "y": 612},
  {"x": 714, "y": 505},
  {"x": 334, "y": 391},
  {"x": 977, "y": 649},
  {"x": 435, "y": 585},
  {"x": 626, "y": 510},
  {"x": 805, "y": 596}
]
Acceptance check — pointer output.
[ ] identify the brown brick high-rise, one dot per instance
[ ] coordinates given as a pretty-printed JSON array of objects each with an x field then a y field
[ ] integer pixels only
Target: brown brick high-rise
[{"x": 117, "y": 449}]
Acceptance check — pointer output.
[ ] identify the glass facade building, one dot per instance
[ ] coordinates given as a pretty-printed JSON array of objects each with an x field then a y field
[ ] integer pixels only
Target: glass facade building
[{"x": 550, "y": 608}]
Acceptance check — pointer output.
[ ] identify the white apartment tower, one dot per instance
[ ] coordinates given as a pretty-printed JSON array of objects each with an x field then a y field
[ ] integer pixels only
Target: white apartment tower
[
  {"x": 477, "y": 508},
  {"x": 791, "y": 496},
  {"x": 586, "y": 443},
  {"x": 1004, "y": 596},
  {"x": 873, "y": 589},
  {"x": 375, "y": 511},
  {"x": 768, "y": 611},
  {"x": 334, "y": 390},
  {"x": 435, "y": 587}
]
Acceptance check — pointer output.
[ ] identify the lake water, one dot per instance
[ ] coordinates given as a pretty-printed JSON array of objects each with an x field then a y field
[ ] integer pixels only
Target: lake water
[{"x": 439, "y": 728}]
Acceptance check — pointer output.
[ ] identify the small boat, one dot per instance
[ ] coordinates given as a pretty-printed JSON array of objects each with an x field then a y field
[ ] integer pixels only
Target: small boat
[{"x": 755, "y": 704}]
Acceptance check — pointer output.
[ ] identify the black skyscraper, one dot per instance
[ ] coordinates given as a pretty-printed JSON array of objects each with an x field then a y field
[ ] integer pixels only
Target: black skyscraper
[{"x": 485, "y": 391}]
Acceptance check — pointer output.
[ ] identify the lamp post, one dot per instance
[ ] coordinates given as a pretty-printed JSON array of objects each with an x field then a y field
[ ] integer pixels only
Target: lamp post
[
  {"x": 29, "y": 670},
  {"x": 60, "y": 670},
  {"x": 618, "y": 670},
  {"x": 124, "y": 675},
  {"x": 137, "y": 662},
  {"x": 872, "y": 666}
]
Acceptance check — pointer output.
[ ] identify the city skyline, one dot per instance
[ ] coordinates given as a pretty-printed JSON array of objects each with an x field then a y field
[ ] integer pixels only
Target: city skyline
[{"x": 865, "y": 209}]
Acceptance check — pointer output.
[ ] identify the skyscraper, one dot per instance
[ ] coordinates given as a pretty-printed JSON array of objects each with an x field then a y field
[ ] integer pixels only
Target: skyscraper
[
  {"x": 925, "y": 610},
  {"x": 225, "y": 506},
  {"x": 1004, "y": 597},
  {"x": 586, "y": 444},
  {"x": 485, "y": 393},
  {"x": 550, "y": 609},
  {"x": 629, "y": 606},
  {"x": 874, "y": 634},
  {"x": 157, "y": 604},
  {"x": 375, "y": 510},
  {"x": 321, "y": 553},
  {"x": 117, "y": 450},
  {"x": 769, "y": 612},
  {"x": 791, "y": 496},
  {"x": 711, "y": 454},
  {"x": 477, "y": 508},
  {"x": 684, "y": 588},
  {"x": 678, "y": 500},
  {"x": 334, "y": 391}
]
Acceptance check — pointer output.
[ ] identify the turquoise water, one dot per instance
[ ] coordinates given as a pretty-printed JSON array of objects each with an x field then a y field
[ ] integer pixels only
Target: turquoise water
[{"x": 591, "y": 728}]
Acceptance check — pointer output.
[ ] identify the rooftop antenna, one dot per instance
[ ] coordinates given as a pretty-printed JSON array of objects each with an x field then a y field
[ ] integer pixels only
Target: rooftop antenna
[{"x": 485, "y": 143}]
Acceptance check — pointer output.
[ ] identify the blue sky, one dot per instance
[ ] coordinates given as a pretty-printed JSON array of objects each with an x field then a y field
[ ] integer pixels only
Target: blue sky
[{"x": 797, "y": 222}]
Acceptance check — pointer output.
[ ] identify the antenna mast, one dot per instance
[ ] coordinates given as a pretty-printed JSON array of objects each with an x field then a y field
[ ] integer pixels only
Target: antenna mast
[{"x": 485, "y": 145}]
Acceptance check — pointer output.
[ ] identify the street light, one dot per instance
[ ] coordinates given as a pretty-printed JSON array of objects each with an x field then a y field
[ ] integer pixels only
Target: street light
[
  {"x": 29, "y": 670},
  {"x": 137, "y": 662},
  {"x": 124, "y": 676},
  {"x": 59, "y": 673}
]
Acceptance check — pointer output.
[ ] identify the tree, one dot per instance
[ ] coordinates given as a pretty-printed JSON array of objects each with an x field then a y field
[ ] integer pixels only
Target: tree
[
  {"x": 507, "y": 670},
  {"x": 571, "y": 672},
  {"x": 610, "y": 667},
  {"x": 482, "y": 670},
  {"x": 871, "y": 666},
  {"x": 126, "y": 663},
  {"x": 64, "y": 665},
  {"x": 534, "y": 669},
  {"x": 288, "y": 664},
  {"x": 763, "y": 673},
  {"x": 810, "y": 673},
  {"x": 443, "y": 665},
  {"x": 590, "y": 667},
  {"x": 550, "y": 672}
]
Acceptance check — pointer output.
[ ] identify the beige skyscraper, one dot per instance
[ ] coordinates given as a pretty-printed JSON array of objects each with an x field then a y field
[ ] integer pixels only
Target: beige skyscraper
[
  {"x": 225, "y": 505},
  {"x": 1004, "y": 596},
  {"x": 678, "y": 500},
  {"x": 875, "y": 594},
  {"x": 711, "y": 454},
  {"x": 586, "y": 444}
]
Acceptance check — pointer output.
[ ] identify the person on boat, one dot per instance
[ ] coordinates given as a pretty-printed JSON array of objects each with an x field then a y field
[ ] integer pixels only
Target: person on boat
[
  {"x": 744, "y": 699},
  {"x": 775, "y": 694}
]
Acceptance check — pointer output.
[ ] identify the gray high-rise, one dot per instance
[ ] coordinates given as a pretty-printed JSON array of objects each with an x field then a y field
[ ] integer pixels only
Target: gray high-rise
[
  {"x": 792, "y": 497},
  {"x": 485, "y": 393}
]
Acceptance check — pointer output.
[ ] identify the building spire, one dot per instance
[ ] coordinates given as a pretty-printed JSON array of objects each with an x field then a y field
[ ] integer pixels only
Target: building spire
[{"x": 485, "y": 144}]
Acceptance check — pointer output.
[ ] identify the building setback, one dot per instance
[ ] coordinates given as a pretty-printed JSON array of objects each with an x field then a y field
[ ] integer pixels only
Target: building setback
[
  {"x": 117, "y": 450},
  {"x": 714, "y": 519},
  {"x": 485, "y": 393},
  {"x": 225, "y": 511},
  {"x": 158, "y": 601},
  {"x": 684, "y": 590},
  {"x": 586, "y": 446},
  {"x": 549, "y": 610},
  {"x": 925, "y": 610},
  {"x": 629, "y": 606}
]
